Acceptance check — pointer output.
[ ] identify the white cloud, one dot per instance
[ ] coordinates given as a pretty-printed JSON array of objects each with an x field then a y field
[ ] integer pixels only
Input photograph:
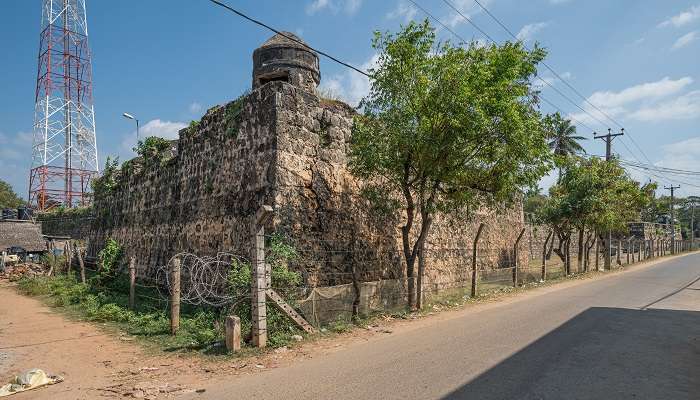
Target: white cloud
[
  {"x": 530, "y": 30},
  {"x": 404, "y": 11},
  {"x": 685, "y": 40},
  {"x": 549, "y": 79},
  {"x": 686, "y": 106},
  {"x": 348, "y": 6},
  {"x": 156, "y": 127},
  {"x": 684, "y": 155},
  {"x": 641, "y": 102},
  {"x": 468, "y": 8},
  {"x": 316, "y": 6},
  {"x": 683, "y": 18},
  {"x": 350, "y": 86},
  {"x": 650, "y": 90},
  {"x": 195, "y": 108}
]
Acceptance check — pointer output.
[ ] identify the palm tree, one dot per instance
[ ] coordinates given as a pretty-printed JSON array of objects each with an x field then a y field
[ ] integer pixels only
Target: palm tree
[{"x": 562, "y": 137}]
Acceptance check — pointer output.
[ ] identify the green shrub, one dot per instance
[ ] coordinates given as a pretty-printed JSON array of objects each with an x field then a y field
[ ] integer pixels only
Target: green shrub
[{"x": 155, "y": 151}]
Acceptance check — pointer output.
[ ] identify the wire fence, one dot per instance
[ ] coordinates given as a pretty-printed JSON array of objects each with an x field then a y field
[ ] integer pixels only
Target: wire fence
[{"x": 343, "y": 278}]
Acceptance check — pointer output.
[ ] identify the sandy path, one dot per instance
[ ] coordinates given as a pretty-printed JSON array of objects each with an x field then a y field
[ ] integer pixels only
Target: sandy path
[{"x": 94, "y": 364}]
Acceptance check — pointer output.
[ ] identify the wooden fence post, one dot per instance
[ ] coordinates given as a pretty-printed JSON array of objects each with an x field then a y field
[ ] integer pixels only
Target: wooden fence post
[
  {"x": 132, "y": 282},
  {"x": 544, "y": 255},
  {"x": 260, "y": 274},
  {"x": 515, "y": 256},
  {"x": 78, "y": 253},
  {"x": 175, "y": 297},
  {"x": 475, "y": 275},
  {"x": 67, "y": 255},
  {"x": 233, "y": 333}
]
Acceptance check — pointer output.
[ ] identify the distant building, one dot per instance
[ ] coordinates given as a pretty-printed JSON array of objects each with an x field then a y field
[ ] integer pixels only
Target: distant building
[{"x": 21, "y": 237}]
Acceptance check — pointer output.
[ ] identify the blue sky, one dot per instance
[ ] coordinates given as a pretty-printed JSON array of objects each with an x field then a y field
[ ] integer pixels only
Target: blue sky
[{"x": 168, "y": 61}]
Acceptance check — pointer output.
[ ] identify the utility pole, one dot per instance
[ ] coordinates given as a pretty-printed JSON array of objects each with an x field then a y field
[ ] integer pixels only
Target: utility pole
[
  {"x": 673, "y": 224},
  {"x": 608, "y": 156},
  {"x": 692, "y": 200}
]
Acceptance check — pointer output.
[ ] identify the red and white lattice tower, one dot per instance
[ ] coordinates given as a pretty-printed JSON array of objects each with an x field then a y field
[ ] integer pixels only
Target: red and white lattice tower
[{"x": 64, "y": 152}]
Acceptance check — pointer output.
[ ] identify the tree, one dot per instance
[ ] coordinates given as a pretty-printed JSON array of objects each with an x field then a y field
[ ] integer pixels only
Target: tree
[
  {"x": 563, "y": 140},
  {"x": 446, "y": 128},
  {"x": 593, "y": 195},
  {"x": 8, "y": 197}
]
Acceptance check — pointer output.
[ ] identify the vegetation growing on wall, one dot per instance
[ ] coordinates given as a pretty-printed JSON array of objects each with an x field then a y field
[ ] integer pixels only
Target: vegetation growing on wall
[
  {"x": 233, "y": 113},
  {"x": 154, "y": 151},
  {"x": 106, "y": 184}
]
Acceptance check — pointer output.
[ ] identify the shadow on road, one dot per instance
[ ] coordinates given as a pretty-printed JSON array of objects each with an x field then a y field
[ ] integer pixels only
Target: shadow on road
[{"x": 603, "y": 353}]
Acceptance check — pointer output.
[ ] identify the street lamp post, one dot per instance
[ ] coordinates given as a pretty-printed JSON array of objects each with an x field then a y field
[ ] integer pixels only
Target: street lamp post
[{"x": 129, "y": 116}]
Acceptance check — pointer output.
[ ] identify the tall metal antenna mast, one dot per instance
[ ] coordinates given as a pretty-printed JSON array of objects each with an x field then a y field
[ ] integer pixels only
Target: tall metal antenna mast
[{"x": 64, "y": 150}]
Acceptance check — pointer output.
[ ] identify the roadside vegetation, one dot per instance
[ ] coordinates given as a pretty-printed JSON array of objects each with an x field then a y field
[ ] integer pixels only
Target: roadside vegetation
[{"x": 104, "y": 298}]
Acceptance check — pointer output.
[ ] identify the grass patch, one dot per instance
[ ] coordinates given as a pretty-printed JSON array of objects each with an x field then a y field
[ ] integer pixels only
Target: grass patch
[{"x": 200, "y": 329}]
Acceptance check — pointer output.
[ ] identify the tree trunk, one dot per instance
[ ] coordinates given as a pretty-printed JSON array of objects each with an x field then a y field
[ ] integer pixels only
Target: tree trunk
[
  {"x": 579, "y": 261},
  {"x": 419, "y": 279}
]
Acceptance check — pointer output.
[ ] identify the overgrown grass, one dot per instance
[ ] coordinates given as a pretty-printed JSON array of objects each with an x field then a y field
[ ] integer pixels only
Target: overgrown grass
[{"x": 200, "y": 329}]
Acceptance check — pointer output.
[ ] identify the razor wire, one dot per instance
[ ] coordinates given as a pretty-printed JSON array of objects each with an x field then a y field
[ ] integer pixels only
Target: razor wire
[{"x": 203, "y": 280}]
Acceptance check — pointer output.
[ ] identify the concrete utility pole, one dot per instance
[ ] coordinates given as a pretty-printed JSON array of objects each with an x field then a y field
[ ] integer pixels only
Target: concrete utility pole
[
  {"x": 608, "y": 156},
  {"x": 673, "y": 224},
  {"x": 692, "y": 200}
]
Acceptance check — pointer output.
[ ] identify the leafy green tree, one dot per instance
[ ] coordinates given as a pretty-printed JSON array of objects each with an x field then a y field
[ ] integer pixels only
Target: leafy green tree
[
  {"x": 8, "y": 197},
  {"x": 593, "y": 195},
  {"x": 446, "y": 128}
]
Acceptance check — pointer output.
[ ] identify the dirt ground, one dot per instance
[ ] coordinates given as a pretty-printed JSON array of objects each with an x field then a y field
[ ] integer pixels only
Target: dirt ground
[{"x": 98, "y": 363}]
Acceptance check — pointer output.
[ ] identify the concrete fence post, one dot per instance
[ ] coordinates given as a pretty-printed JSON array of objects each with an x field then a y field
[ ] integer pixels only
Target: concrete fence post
[
  {"x": 2, "y": 261},
  {"x": 639, "y": 250},
  {"x": 67, "y": 255},
  {"x": 515, "y": 256},
  {"x": 79, "y": 254},
  {"x": 544, "y": 255},
  {"x": 233, "y": 333},
  {"x": 627, "y": 253},
  {"x": 475, "y": 265},
  {"x": 132, "y": 283},
  {"x": 175, "y": 297},
  {"x": 260, "y": 277}
]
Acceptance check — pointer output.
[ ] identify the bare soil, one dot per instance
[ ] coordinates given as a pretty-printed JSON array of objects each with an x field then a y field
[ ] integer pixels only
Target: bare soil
[{"x": 97, "y": 362}]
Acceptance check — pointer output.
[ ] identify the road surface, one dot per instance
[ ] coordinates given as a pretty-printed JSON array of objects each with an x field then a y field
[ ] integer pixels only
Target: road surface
[{"x": 631, "y": 335}]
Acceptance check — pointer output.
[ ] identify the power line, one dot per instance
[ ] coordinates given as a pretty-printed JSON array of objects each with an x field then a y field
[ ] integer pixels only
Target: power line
[
  {"x": 565, "y": 82},
  {"x": 431, "y": 16},
  {"x": 266, "y": 26},
  {"x": 449, "y": 4}
]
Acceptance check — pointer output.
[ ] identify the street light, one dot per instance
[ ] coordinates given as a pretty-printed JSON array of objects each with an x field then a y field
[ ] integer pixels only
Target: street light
[{"x": 129, "y": 116}]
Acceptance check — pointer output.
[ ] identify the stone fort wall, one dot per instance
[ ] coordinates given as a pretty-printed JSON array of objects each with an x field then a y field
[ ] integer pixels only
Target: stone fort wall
[{"x": 289, "y": 150}]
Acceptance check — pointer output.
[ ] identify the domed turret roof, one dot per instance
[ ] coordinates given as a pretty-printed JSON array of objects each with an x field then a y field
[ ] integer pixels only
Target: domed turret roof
[{"x": 285, "y": 39}]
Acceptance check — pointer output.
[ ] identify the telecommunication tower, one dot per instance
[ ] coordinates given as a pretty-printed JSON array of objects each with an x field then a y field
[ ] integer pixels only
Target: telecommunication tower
[{"x": 64, "y": 149}]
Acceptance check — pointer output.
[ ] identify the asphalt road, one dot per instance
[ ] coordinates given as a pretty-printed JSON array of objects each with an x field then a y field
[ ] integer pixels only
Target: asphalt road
[{"x": 632, "y": 335}]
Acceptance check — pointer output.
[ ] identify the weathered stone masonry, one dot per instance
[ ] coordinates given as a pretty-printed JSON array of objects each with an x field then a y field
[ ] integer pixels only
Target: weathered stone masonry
[{"x": 288, "y": 148}]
